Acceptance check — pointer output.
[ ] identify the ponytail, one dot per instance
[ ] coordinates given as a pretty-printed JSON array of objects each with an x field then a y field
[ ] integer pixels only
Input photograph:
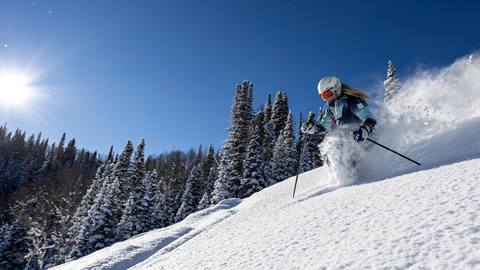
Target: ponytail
[{"x": 347, "y": 90}]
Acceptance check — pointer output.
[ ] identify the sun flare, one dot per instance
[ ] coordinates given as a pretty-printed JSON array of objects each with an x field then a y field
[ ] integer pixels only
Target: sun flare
[{"x": 14, "y": 89}]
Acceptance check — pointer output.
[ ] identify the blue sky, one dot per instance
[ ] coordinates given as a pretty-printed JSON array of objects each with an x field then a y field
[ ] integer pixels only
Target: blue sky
[{"x": 166, "y": 70}]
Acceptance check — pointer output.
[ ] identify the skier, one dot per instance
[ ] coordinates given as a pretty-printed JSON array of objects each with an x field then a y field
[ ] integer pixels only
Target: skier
[
  {"x": 346, "y": 107},
  {"x": 346, "y": 116}
]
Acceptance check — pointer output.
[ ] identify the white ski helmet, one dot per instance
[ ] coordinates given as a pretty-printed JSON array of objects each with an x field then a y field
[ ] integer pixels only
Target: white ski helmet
[{"x": 331, "y": 83}]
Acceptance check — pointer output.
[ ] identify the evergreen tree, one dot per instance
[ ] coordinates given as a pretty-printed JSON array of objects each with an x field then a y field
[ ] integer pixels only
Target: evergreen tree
[
  {"x": 299, "y": 139},
  {"x": 97, "y": 229},
  {"x": 208, "y": 162},
  {"x": 206, "y": 198},
  {"x": 192, "y": 194},
  {"x": 392, "y": 83},
  {"x": 136, "y": 216},
  {"x": 311, "y": 156},
  {"x": 70, "y": 154},
  {"x": 138, "y": 166},
  {"x": 269, "y": 139},
  {"x": 169, "y": 206},
  {"x": 254, "y": 178},
  {"x": 59, "y": 159},
  {"x": 110, "y": 154},
  {"x": 279, "y": 113},
  {"x": 13, "y": 246},
  {"x": 172, "y": 200},
  {"x": 267, "y": 109},
  {"x": 88, "y": 200},
  {"x": 234, "y": 149},
  {"x": 157, "y": 216},
  {"x": 220, "y": 187},
  {"x": 268, "y": 147},
  {"x": 125, "y": 175},
  {"x": 284, "y": 153},
  {"x": 33, "y": 257}
]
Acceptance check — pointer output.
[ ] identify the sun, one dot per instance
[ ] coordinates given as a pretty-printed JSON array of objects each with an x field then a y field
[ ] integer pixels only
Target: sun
[{"x": 14, "y": 89}]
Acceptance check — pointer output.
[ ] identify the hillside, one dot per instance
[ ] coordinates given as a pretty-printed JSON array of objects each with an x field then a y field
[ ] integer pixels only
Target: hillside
[{"x": 427, "y": 219}]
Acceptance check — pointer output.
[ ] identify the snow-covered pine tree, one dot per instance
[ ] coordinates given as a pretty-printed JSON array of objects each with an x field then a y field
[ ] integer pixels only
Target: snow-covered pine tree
[
  {"x": 392, "y": 83},
  {"x": 122, "y": 170},
  {"x": 157, "y": 217},
  {"x": 267, "y": 109},
  {"x": 212, "y": 177},
  {"x": 129, "y": 218},
  {"x": 34, "y": 258},
  {"x": 286, "y": 108},
  {"x": 49, "y": 159},
  {"x": 87, "y": 201},
  {"x": 90, "y": 234},
  {"x": 126, "y": 227},
  {"x": 13, "y": 246},
  {"x": 208, "y": 162},
  {"x": 110, "y": 155},
  {"x": 136, "y": 216},
  {"x": 192, "y": 194},
  {"x": 70, "y": 153},
  {"x": 284, "y": 153},
  {"x": 279, "y": 113},
  {"x": 234, "y": 149},
  {"x": 200, "y": 154},
  {"x": 209, "y": 177},
  {"x": 138, "y": 167},
  {"x": 170, "y": 208},
  {"x": 253, "y": 175},
  {"x": 311, "y": 157},
  {"x": 58, "y": 159},
  {"x": 97, "y": 229},
  {"x": 15, "y": 172}
]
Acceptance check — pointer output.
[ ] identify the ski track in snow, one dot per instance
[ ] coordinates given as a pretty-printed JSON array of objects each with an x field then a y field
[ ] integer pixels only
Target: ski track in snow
[{"x": 126, "y": 254}]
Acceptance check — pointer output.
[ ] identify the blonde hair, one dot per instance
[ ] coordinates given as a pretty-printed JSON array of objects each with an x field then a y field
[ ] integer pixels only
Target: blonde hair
[{"x": 347, "y": 90}]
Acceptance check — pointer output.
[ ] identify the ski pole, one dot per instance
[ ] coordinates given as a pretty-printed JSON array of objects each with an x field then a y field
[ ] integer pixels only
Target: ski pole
[
  {"x": 303, "y": 149},
  {"x": 298, "y": 168},
  {"x": 391, "y": 150}
]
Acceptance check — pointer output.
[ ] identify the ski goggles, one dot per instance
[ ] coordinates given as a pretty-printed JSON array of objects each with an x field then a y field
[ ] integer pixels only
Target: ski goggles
[{"x": 327, "y": 94}]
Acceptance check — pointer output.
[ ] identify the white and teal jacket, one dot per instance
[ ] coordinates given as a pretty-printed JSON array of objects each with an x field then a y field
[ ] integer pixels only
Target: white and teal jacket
[{"x": 346, "y": 111}]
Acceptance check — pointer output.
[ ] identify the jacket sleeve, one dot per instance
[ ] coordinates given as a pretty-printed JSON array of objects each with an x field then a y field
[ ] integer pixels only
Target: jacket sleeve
[{"x": 325, "y": 123}]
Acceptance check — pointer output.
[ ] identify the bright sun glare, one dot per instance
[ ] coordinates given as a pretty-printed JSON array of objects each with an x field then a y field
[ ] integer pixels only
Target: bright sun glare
[{"x": 14, "y": 89}]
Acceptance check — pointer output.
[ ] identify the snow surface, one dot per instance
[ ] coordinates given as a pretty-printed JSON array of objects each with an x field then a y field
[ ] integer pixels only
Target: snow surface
[
  {"x": 423, "y": 220},
  {"x": 388, "y": 214}
]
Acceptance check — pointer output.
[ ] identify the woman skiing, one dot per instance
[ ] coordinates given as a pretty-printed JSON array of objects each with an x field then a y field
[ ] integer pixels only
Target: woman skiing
[{"x": 346, "y": 116}]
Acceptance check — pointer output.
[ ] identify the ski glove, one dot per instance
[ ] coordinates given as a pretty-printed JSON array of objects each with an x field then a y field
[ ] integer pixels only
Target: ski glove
[{"x": 362, "y": 133}]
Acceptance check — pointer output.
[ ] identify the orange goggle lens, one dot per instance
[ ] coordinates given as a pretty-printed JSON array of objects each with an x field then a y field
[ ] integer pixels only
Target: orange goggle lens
[{"x": 327, "y": 94}]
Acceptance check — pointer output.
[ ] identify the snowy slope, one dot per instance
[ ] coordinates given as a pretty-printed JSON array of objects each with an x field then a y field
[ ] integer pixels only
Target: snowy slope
[{"x": 423, "y": 220}]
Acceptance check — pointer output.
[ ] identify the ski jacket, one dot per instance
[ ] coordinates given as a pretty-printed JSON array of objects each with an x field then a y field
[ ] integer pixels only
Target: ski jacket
[{"x": 346, "y": 111}]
